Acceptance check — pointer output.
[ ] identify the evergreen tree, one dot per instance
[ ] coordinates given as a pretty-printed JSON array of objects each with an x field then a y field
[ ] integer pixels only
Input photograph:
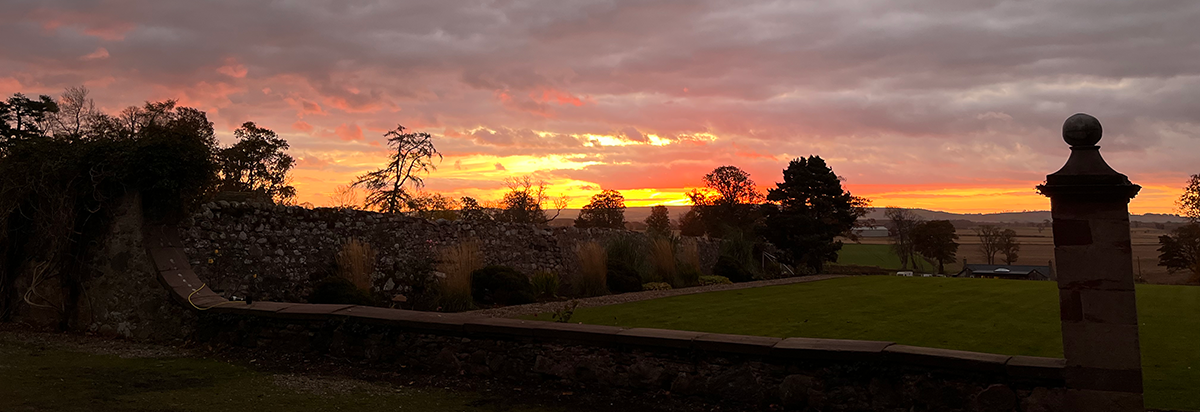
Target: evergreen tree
[
  {"x": 935, "y": 240},
  {"x": 413, "y": 155},
  {"x": 811, "y": 208},
  {"x": 659, "y": 221}
]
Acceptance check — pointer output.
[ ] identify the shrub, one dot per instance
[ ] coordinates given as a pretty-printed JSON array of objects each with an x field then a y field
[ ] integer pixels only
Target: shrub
[
  {"x": 731, "y": 269},
  {"x": 545, "y": 284},
  {"x": 662, "y": 260},
  {"x": 500, "y": 285},
  {"x": 714, "y": 280},
  {"x": 336, "y": 289},
  {"x": 457, "y": 263},
  {"x": 622, "y": 278},
  {"x": 656, "y": 286},
  {"x": 356, "y": 263},
  {"x": 593, "y": 273},
  {"x": 689, "y": 276}
]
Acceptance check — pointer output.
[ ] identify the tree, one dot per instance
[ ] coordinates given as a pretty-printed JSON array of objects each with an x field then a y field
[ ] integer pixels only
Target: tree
[
  {"x": 432, "y": 206},
  {"x": 989, "y": 241},
  {"x": 413, "y": 155},
  {"x": 1189, "y": 201},
  {"x": 1009, "y": 246},
  {"x": 1181, "y": 250},
  {"x": 935, "y": 240},
  {"x": 25, "y": 118},
  {"x": 728, "y": 202},
  {"x": 524, "y": 202},
  {"x": 690, "y": 224},
  {"x": 659, "y": 222},
  {"x": 257, "y": 163},
  {"x": 810, "y": 209},
  {"x": 607, "y": 209},
  {"x": 345, "y": 197},
  {"x": 77, "y": 114},
  {"x": 471, "y": 211},
  {"x": 903, "y": 223}
]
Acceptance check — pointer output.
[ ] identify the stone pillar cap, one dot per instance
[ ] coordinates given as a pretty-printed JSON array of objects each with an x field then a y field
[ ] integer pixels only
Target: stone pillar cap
[{"x": 1086, "y": 173}]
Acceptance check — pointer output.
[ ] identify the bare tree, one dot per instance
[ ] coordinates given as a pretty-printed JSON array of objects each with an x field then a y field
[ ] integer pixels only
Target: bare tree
[
  {"x": 989, "y": 241},
  {"x": 413, "y": 155},
  {"x": 903, "y": 221},
  {"x": 345, "y": 197},
  {"x": 76, "y": 113}
]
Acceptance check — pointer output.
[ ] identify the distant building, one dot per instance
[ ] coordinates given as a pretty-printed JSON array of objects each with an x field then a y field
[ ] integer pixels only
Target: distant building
[
  {"x": 1022, "y": 272},
  {"x": 870, "y": 231}
]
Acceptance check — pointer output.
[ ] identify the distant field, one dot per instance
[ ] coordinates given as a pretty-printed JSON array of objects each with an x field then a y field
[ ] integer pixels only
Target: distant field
[
  {"x": 1037, "y": 248},
  {"x": 985, "y": 315}
]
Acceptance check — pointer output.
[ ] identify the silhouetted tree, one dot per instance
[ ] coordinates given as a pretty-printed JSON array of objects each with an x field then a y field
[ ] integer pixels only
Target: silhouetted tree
[
  {"x": 1009, "y": 246},
  {"x": 903, "y": 221},
  {"x": 690, "y": 223},
  {"x": 989, "y": 241},
  {"x": 258, "y": 163},
  {"x": 728, "y": 203},
  {"x": 935, "y": 240},
  {"x": 25, "y": 118},
  {"x": 524, "y": 202},
  {"x": 1181, "y": 250},
  {"x": 413, "y": 155},
  {"x": 1189, "y": 201},
  {"x": 470, "y": 210},
  {"x": 659, "y": 222},
  {"x": 607, "y": 209},
  {"x": 812, "y": 210}
]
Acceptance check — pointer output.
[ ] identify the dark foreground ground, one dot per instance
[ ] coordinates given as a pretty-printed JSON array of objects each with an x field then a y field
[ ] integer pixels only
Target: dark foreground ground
[{"x": 42, "y": 371}]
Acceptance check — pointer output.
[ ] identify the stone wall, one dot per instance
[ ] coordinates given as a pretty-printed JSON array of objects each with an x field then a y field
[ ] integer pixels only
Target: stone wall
[{"x": 289, "y": 248}]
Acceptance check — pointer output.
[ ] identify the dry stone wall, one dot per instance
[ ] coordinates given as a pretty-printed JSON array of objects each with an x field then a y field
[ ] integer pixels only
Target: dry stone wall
[{"x": 279, "y": 252}]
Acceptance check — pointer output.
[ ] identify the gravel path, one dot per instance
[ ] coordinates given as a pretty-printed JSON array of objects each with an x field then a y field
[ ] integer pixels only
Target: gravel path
[{"x": 534, "y": 308}]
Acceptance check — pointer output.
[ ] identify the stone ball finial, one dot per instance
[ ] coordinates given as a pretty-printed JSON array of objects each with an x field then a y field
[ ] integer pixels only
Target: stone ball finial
[{"x": 1082, "y": 130}]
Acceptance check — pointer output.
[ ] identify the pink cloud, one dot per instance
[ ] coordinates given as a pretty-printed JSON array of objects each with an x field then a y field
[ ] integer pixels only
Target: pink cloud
[
  {"x": 302, "y": 126},
  {"x": 233, "y": 69},
  {"x": 99, "y": 54},
  {"x": 349, "y": 132}
]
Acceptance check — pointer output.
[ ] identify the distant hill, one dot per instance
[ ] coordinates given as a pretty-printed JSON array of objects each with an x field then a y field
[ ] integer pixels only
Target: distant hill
[{"x": 639, "y": 214}]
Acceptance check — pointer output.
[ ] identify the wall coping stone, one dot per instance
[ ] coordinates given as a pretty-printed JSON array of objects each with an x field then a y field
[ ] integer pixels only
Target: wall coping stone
[
  {"x": 1035, "y": 367},
  {"x": 947, "y": 358},
  {"x": 593, "y": 334},
  {"x": 830, "y": 349},
  {"x": 657, "y": 338},
  {"x": 743, "y": 344},
  {"x": 311, "y": 311}
]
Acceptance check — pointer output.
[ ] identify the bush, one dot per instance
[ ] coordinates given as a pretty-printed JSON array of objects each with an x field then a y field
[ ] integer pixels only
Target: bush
[
  {"x": 630, "y": 252},
  {"x": 689, "y": 276},
  {"x": 593, "y": 270},
  {"x": 500, "y": 285},
  {"x": 662, "y": 261},
  {"x": 458, "y": 262},
  {"x": 545, "y": 284},
  {"x": 338, "y": 290},
  {"x": 731, "y": 269},
  {"x": 622, "y": 278},
  {"x": 356, "y": 263},
  {"x": 714, "y": 280},
  {"x": 656, "y": 286}
]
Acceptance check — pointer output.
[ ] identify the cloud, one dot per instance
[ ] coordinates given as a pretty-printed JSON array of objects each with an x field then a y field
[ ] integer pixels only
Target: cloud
[
  {"x": 928, "y": 92},
  {"x": 349, "y": 132}
]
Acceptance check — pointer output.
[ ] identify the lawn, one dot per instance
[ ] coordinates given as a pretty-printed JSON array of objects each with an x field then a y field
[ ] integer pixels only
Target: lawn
[
  {"x": 34, "y": 378},
  {"x": 881, "y": 255},
  {"x": 985, "y": 315}
]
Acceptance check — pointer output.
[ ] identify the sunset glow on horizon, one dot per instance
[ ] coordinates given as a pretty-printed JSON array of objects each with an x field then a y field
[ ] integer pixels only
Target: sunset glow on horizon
[{"x": 935, "y": 105}]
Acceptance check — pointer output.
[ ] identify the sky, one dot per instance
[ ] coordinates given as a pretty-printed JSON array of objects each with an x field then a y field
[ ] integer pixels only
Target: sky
[{"x": 953, "y": 105}]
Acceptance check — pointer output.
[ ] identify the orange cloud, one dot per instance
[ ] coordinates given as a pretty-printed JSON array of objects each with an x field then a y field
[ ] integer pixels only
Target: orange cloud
[
  {"x": 302, "y": 126},
  {"x": 349, "y": 132},
  {"x": 556, "y": 96}
]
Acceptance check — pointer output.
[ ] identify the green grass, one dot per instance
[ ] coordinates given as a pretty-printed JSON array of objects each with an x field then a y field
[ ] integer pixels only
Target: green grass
[
  {"x": 881, "y": 256},
  {"x": 984, "y": 315},
  {"x": 39, "y": 379}
]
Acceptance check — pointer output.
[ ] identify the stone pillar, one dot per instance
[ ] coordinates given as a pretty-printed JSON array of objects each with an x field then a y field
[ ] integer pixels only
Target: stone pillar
[{"x": 1089, "y": 202}]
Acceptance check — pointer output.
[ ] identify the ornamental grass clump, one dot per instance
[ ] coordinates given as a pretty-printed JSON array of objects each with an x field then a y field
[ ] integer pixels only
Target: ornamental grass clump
[
  {"x": 593, "y": 270},
  {"x": 356, "y": 263},
  {"x": 688, "y": 271},
  {"x": 545, "y": 284},
  {"x": 662, "y": 261},
  {"x": 457, "y": 262}
]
